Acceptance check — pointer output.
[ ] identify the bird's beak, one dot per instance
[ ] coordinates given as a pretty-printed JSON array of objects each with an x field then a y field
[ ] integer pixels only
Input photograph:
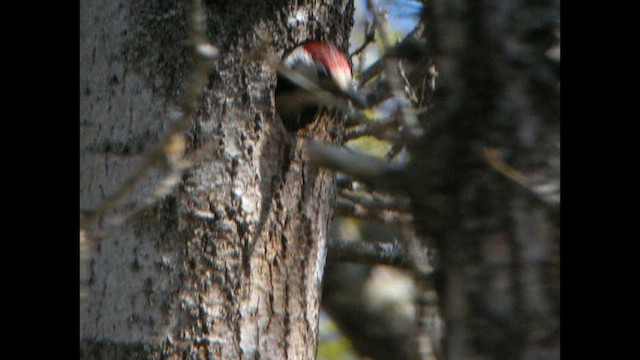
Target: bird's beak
[{"x": 358, "y": 100}]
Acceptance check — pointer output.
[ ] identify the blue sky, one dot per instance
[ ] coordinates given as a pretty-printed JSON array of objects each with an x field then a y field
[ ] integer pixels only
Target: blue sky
[
  {"x": 403, "y": 14},
  {"x": 402, "y": 17}
]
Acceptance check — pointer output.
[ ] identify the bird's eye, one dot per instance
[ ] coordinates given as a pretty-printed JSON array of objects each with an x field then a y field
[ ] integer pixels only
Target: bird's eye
[{"x": 323, "y": 74}]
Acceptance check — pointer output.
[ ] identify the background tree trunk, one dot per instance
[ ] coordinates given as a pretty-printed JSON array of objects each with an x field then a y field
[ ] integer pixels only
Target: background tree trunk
[
  {"x": 229, "y": 265},
  {"x": 487, "y": 176}
]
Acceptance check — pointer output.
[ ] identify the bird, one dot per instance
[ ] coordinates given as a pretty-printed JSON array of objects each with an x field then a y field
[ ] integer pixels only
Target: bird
[{"x": 317, "y": 74}]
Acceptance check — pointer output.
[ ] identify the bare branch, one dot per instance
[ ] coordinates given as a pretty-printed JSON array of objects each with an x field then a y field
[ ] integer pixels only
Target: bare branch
[
  {"x": 373, "y": 253},
  {"x": 427, "y": 320},
  {"x": 371, "y": 171},
  {"x": 378, "y": 129},
  {"x": 376, "y": 200},
  {"x": 347, "y": 208}
]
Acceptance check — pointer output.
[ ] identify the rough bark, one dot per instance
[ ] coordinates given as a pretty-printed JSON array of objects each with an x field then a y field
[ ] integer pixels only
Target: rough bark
[
  {"x": 229, "y": 265},
  {"x": 492, "y": 145}
]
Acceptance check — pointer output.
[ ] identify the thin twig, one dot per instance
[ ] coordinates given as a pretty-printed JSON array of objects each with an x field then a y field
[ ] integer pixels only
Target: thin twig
[
  {"x": 375, "y": 200},
  {"x": 410, "y": 121},
  {"x": 379, "y": 129},
  {"x": 395, "y": 149},
  {"x": 548, "y": 193},
  {"x": 173, "y": 146},
  {"x": 398, "y": 50},
  {"x": 407, "y": 85},
  {"x": 166, "y": 185},
  {"x": 369, "y": 37},
  {"x": 347, "y": 183}
]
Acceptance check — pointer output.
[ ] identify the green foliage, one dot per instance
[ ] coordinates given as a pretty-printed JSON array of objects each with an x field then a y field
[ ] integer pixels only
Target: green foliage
[
  {"x": 370, "y": 145},
  {"x": 333, "y": 345}
]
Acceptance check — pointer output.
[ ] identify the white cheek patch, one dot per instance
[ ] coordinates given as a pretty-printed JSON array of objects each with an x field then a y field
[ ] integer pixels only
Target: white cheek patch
[
  {"x": 298, "y": 55},
  {"x": 342, "y": 79}
]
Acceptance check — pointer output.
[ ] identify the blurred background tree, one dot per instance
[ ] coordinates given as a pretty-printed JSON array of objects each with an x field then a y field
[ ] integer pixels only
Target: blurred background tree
[{"x": 482, "y": 78}]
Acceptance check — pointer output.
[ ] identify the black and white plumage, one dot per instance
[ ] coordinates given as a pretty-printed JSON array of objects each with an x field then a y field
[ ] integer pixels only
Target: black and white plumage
[{"x": 324, "y": 67}]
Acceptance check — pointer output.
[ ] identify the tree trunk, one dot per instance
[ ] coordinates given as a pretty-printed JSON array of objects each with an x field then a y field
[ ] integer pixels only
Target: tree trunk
[
  {"x": 487, "y": 177},
  {"x": 229, "y": 265}
]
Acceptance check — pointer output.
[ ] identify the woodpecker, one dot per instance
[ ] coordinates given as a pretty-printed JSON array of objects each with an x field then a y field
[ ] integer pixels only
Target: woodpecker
[{"x": 324, "y": 66}]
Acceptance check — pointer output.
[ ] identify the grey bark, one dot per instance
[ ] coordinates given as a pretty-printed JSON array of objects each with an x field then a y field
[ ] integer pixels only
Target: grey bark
[{"x": 229, "y": 264}]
